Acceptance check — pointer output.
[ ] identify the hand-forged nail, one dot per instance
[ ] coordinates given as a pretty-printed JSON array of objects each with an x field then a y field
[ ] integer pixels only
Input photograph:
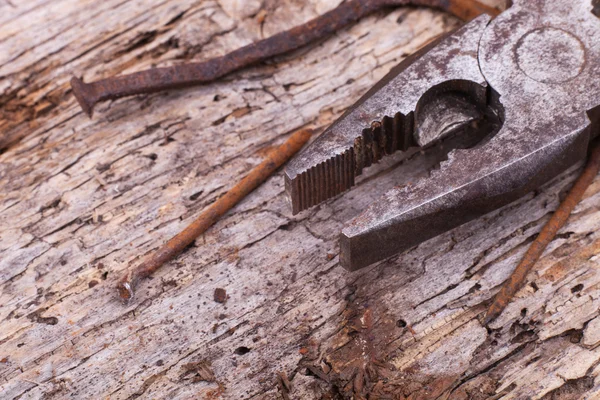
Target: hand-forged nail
[
  {"x": 186, "y": 75},
  {"x": 548, "y": 233},
  {"x": 208, "y": 217}
]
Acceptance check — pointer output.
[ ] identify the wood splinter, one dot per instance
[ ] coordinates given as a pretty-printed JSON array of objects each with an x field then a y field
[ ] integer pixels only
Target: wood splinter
[
  {"x": 548, "y": 233},
  {"x": 174, "y": 246}
]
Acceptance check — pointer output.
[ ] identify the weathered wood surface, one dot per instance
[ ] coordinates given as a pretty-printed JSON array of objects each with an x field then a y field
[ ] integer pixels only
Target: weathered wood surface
[{"x": 82, "y": 199}]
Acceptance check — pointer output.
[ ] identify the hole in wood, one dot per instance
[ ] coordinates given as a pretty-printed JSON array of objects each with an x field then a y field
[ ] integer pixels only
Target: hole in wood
[
  {"x": 577, "y": 288},
  {"x": 240, "y": 351}
]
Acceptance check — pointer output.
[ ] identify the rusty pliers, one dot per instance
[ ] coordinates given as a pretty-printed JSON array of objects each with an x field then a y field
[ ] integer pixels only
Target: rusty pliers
[{"x": 518, "y": 97}]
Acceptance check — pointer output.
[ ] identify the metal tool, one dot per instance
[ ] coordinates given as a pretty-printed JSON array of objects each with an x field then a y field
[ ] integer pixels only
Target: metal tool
[{"x": 518, "y": 97}]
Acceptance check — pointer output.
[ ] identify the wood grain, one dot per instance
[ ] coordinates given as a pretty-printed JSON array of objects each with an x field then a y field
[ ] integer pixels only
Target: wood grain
[{"x": 83, "y": 199}]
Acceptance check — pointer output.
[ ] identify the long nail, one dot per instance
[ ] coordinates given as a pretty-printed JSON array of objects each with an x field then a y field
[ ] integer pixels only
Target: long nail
[
  {"x": 208, "y": 217},
  {"x": 186, "y": 75},
  {"x": 548, "y": 233}
]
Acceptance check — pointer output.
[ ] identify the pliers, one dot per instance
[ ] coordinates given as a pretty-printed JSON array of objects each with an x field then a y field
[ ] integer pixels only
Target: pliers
[{"x": 518, "y": 96}]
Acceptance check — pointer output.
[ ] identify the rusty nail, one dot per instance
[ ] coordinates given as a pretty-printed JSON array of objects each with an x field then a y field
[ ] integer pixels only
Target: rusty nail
[
  {"x": 186, "y": 75},
  {"x": 549, "y": 231},
  {"x": 209, "y": 216}
]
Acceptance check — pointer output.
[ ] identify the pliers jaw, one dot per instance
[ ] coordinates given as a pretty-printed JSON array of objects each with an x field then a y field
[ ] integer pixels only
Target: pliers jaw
[
  {"x": 383, "y": 120},
  {"x": 513, "y": 105}
]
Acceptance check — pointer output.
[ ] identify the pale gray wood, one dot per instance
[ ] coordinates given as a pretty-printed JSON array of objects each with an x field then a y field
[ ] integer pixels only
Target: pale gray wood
[{"x": 82, "y": 200}]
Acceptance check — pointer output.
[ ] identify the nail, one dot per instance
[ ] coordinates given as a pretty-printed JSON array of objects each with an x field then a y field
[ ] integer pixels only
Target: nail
[
  {"x": 186, "y": 75},
  {"x": 548, "y": 233},
  {"x": 208, "y": 217}
]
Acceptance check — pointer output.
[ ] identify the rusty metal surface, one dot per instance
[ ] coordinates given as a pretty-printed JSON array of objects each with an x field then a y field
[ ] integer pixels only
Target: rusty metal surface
[
  {"x": 515, "y": 96},
  {"x": 548, "y": 233},
  {"x": 211, "y": 215},
  {"x": 186, "y": 75}
]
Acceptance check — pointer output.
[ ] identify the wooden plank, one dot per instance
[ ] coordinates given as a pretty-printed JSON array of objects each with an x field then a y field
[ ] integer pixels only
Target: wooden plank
[{"x": 82, "y": 200}]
